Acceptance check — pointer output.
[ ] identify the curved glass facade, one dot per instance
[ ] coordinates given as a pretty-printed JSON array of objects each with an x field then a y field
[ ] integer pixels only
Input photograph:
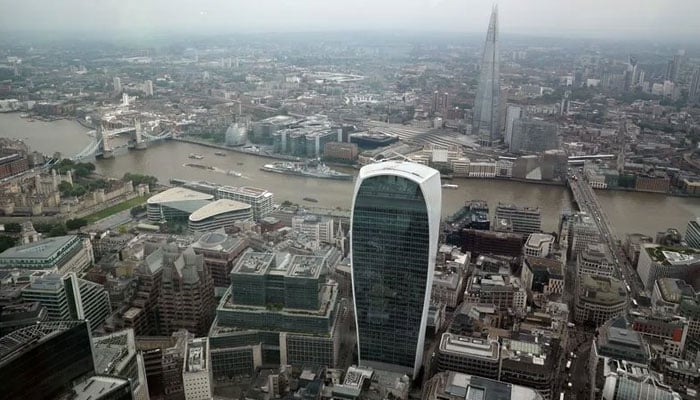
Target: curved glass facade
[{"x": 391, "y": 267}]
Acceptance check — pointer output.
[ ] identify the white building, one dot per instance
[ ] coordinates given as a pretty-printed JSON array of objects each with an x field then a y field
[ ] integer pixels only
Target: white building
[
  {"x": 117, "y": 83},
  {"x": 539, "y": 245},
  {"x": 148, "y": 88},
  {"x": 261, "y": 200},
  {"x": 222, "y": 213},
  {"x": 317, "y": 228},
  {"x": 662, "y": 262},
  {"x": 197, "y": 371}
]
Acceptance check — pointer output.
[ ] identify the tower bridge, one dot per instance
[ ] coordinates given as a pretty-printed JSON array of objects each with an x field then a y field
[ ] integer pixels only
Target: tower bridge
[{"x": 102, "y": 147}]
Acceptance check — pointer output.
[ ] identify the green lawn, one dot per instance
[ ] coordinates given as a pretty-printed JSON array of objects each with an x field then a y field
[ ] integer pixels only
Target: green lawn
[{"x": 116, "y": 208}]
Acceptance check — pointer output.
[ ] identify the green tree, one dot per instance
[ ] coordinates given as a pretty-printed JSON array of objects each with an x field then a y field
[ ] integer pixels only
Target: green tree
[
  {"x": 57, "y": 230},
  {"x": 76, "y": 223},
  {"x": 65, "y": 188},
  {"x": 6, "y": 242},
  {"x": 13, "y": 227}
]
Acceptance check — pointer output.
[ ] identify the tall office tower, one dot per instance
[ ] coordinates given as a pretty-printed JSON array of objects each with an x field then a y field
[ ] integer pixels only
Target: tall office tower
[
  {"x": 69, "y": 297},
  {"x": 394, "y": 234},
  {"x": 187, "y": 292},
  {"x": 117, "y": 82},
  {"x": 675, "y": 67},
  {"x": 694, "y": 89},
  {"x": 692, "y": 233},
  {"x": 533, "y": 136},
  {"x": 486, "y": 123},
  {"x": 148, "y": 88},
  {"x": 42, "y": 360},
  {"x": 513, "y": 113}
]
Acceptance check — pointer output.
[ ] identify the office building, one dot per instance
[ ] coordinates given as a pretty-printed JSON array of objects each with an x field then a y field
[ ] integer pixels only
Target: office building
[
  {"x": 583, "y": 231},
  {"x": 530, "y": 358},
  {"x": 317, "y": 228},
  {"x": 631, "y": 382},
  {"x": 69, "y": 297},
  {"x": 164, "y": 360},
  {"x": 457, "y": 386},
  {"x": 513, "y": 113},
  {"x": 279, "y": 309},
  {"x": 395, "y": 227},
  {"x": 542, "y": 277},
  {"x": 595, "y": 260},
  {"x": 487, "y": 105},
  {"x": 176, "y": 204},
  {"x": 504, "y": 291},
  {"x": 525, "y": 220},
  {"x": 479, "y": 242},
  {"x": 261, "y": 200},
  {"x": 219, "y": 251},
  {"x": 632, "y": 245},
  {"x": 42, "y": 360},
  {"x": 16, "y": 316},
  {"x": 668, "y": 294},
  {"x": 533, "y": 136},
  {"x": 61, "y": 253},
  {"x": 143, "y": 315},
  {"x": 117, "y": 84},
  {"x": 598, "y": 299},
  {"x": 469, "y": 355},
  {"x": 694, "y": 89},
  {"x": 656, "y": 261},
  {"x": 116, "y": 355},
  {"x": 222, "y": 213},
  {"x": 263, "y": 131},
  {"x": 12, "y": 164},
  {"x": 538, "y": 245},
  {"x": 666, "y": 334},
  {"x": 692, "y": 233},
  {"x": 148, "y": 88},
  {"x": 617, "y": 340},
  {"x": 186, "y": 299},
  {"x": 197, "y": 372},
  {"x": 101, "y": 387}
]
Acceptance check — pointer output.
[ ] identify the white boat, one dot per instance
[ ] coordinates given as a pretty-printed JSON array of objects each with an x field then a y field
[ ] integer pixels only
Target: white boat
[
  {"x": 196, "y": 156},
  {"x": 449, "y": 186}
]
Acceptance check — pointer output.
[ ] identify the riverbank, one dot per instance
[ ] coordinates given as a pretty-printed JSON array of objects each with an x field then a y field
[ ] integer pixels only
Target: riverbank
[{"x": 235, "y": 149}]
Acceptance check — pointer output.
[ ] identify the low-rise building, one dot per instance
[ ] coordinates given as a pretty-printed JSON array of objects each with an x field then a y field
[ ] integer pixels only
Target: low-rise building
[
  {"x": 656, "y": 261},
  {"x": 116, "y": 355},
  {"x": 176, "y": 204},
  {"x": 469, "y": 355},
  {"x": 261, "y": 200},
  {"x": 525, "y": 220},
  {"x": 63, "y": 254},
  {"x": 668, "y": 294},
  {"x": 538, "y": 245},
  {"x": 457, "y": 386},
  {"x": 219, "y": 214},
  {"x": 595, "y": 260}
]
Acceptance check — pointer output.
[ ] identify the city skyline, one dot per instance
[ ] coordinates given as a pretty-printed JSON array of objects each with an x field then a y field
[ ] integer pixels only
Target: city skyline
[{"x": 622, "y": 19}]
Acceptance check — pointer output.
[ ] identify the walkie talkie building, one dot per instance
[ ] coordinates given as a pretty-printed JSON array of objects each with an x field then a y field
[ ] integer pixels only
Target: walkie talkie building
[{"x": 394, "y": 238}]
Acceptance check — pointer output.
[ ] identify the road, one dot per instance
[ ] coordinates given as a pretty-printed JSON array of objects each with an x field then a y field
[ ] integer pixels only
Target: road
[{"x": 588, "y": 202}]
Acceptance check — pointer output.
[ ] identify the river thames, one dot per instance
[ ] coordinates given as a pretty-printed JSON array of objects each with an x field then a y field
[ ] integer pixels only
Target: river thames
[{"x": 629, "y": 211}]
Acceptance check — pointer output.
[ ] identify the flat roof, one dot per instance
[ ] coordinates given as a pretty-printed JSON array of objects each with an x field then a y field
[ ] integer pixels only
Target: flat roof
[
  {"x": 305, "y": 266},
  {"x": 196, "y": 355},
  {"x": 221, "y": 206},
  {"x": 469, "y": 346},
  {"x": 246, "y": 191},
  {"x": 602, "y": 289},
  {"x": 98, "y": 386},
  {"x": 113, "y": 352},
  {"x": 44, "y": 248},
  {"x": 537, "y": 239},
  {"x": 253, "y": 263},
  {"x": 178, "y": 194}
]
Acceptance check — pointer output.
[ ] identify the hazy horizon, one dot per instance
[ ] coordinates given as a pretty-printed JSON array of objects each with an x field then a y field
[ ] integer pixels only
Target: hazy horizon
[{"x": 621, "y": 19}]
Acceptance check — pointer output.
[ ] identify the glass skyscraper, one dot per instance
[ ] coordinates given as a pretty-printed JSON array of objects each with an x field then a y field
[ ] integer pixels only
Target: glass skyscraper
[
  {"x": 486, "y": 123},
  {"x": 394, "y": 238}
]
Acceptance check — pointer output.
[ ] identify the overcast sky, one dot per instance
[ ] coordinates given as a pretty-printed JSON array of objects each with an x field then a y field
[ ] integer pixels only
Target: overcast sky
[{"x": 588, "y": 18}]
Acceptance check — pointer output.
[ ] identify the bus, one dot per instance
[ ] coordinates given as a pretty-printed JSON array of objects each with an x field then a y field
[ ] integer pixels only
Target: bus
[
  {"x": 634, "y": 303},
  {"x": 568, "y": 365}
]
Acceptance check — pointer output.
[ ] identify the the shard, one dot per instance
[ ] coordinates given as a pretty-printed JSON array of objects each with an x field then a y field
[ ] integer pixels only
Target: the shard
[{"x": 486, "y": 123}]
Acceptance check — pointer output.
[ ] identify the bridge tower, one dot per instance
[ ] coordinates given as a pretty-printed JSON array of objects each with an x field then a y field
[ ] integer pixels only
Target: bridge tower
[
  {"x": 106, "y": 146},
  {"x": 139, "y": 144}
]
